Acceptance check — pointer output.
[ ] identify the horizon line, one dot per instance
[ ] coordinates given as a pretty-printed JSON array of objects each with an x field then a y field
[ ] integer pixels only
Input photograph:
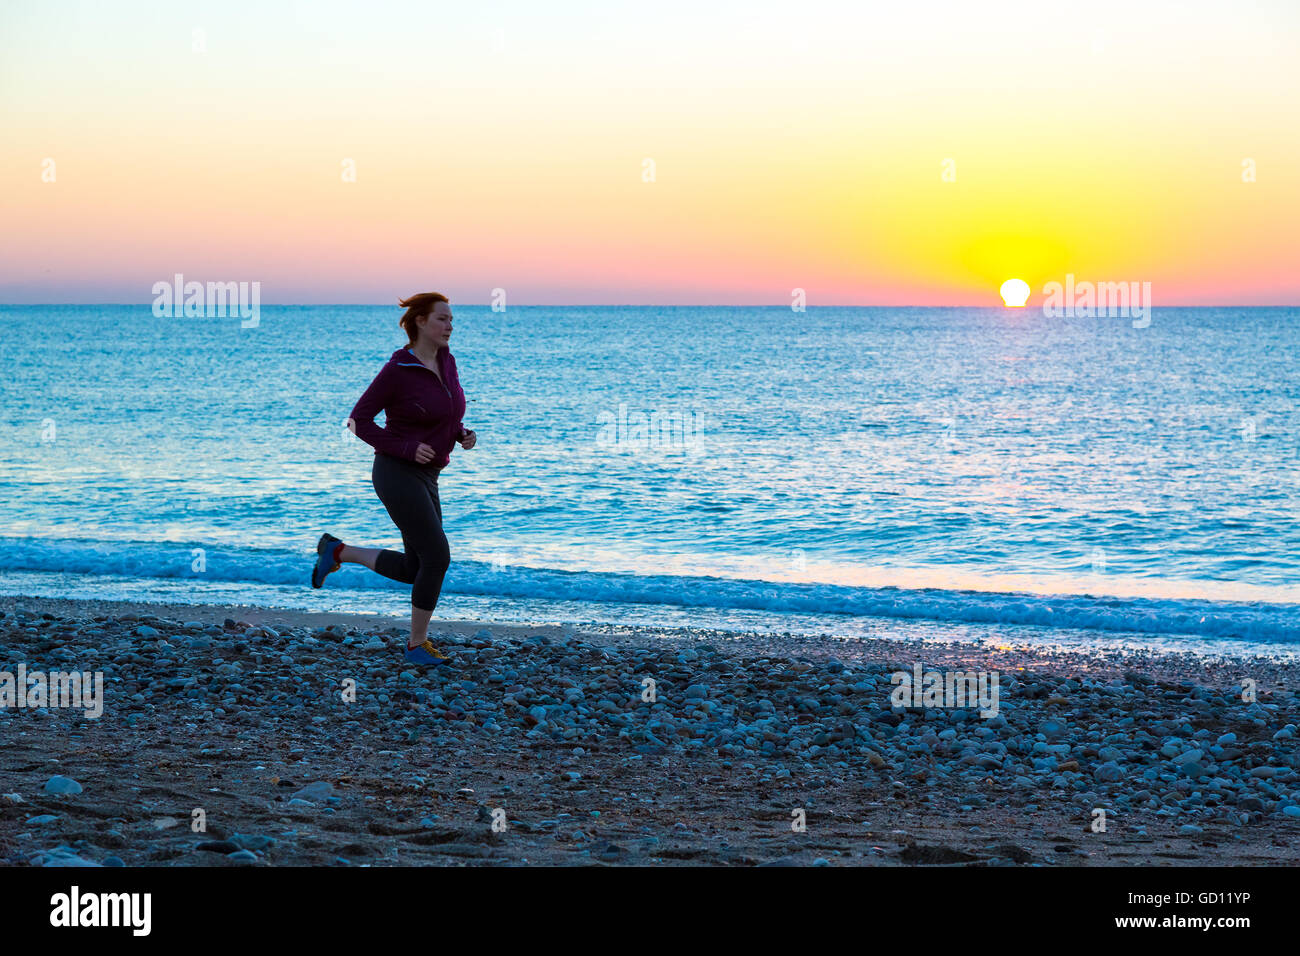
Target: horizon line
[{"x": 695, "y": 305}]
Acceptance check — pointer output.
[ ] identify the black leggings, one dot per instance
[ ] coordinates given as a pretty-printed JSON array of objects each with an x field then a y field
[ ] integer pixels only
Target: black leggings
[{"x": 410, "y": 493}]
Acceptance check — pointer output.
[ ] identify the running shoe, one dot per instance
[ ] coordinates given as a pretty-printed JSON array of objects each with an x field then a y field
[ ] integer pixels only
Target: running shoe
[
  {"x": 426, "y": 654},
  {"x": 325, "y": 563}
]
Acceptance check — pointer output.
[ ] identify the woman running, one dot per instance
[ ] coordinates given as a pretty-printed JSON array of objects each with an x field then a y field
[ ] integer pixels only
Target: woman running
[{"x": 420, "y": 394}]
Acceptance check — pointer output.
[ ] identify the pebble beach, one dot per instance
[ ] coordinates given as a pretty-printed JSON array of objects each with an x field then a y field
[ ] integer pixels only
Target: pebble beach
[{"x": 237, "y": 736}]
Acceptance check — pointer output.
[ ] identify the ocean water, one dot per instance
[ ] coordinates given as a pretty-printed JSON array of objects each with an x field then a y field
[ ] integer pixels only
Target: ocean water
[{"x": 933, "y": 473}]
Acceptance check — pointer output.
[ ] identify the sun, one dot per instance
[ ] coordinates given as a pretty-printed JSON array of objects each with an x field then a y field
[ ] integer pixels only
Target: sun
[{"x": 1015, "y": 292}]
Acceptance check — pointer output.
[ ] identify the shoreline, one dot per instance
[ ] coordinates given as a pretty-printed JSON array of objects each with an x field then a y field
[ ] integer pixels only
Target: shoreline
[
  {"x": 1156, "y": 661},
  {"x": 236, "y": 710}
]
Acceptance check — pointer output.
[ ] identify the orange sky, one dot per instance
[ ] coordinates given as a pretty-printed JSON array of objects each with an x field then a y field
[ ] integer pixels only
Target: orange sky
[{"x": 504, "y": 145}]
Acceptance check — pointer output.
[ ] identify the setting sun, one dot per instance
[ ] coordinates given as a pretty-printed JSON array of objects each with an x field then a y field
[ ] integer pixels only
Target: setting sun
[{"x": 1015, "y": 292}]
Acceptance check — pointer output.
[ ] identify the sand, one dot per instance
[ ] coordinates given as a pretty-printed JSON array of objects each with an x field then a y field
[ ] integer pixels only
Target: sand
[{"x": 549, "y": 755}]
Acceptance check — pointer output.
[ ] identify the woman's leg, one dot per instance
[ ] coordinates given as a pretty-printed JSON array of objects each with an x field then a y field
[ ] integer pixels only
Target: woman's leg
[
  {"x": 433, "y": 557},
  {"x": 419, "y": 626},
  {"x": 366, "y": 556},
  {"x": 399, "y": 567},
  {"x": 411, "y": 499}
]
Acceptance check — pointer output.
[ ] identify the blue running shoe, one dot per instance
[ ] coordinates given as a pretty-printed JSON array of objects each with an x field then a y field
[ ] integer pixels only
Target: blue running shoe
[
  {"x": 426, "y": 654},
  {"x": 325, "y": 563}
]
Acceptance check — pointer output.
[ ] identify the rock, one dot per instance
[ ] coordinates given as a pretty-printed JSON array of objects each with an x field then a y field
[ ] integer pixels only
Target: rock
[
  {"x": 64, "y": 856},
  {"x": 1052, "y": 729},
  {"x": 218, "y": 846},
  {"x": 1017, "y": 854},
  {"x": 252, "y": 841},
  {"x": 1109, "y": 772},
  {"x": 317, "y": 792},
  {"x": 916, "y": 853},
  {"x": 62, "y": 785}
]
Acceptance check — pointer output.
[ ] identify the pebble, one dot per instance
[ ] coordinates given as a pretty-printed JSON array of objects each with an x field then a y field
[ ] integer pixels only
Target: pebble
[
  {"x": 1109, "y": 772},
  {"x": 62, "y": 785},
  {"x": 218, "y": 846},
  {"x": 317, "y": 792},
  {"x": 62, "y": 856},
  {"x": 252, "y": 841}
]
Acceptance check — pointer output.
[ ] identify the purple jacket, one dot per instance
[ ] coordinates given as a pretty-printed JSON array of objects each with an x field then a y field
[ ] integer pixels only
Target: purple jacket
[{"x": 418, "y": 408}]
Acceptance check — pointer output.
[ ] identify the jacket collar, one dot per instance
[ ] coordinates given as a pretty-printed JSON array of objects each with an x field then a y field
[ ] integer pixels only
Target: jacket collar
[{"x": 404, "y": 356}]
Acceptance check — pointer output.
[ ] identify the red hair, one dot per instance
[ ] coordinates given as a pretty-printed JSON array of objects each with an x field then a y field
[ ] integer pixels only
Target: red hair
[{"x": 417, "y": 306}]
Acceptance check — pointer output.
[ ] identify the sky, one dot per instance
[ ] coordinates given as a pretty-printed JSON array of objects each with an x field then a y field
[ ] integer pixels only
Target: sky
[{"x": 664, "y": 153}]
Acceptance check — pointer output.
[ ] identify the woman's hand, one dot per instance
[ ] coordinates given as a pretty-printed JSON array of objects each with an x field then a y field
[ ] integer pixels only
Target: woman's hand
[
  {"x": 468, "y": 441},
  {"x": 423, "y": 454}
]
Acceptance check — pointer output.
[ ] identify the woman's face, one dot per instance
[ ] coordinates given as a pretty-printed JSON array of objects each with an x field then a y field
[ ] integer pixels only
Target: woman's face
[{"x": 436, "y": 326}]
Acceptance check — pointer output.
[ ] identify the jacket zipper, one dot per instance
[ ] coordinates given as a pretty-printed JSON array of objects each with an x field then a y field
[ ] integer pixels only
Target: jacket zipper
[{"x": 436, "y": 375}]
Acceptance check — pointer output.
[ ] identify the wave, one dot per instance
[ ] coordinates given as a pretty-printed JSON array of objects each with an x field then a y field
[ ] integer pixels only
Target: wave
[{"x": 1257, "y": 621}]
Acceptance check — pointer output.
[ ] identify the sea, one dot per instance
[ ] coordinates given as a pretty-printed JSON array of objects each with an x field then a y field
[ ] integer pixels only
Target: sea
[{"x": 928, "y": 474}]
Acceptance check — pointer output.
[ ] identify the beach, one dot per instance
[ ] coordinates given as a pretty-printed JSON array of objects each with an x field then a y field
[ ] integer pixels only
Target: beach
[{"x": 300, "y": 738}]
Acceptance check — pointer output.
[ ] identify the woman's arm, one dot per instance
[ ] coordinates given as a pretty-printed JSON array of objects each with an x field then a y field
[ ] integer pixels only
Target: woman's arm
[
  {"x": 461, "y": 431},
  {"x": 371, "y": 403}
]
